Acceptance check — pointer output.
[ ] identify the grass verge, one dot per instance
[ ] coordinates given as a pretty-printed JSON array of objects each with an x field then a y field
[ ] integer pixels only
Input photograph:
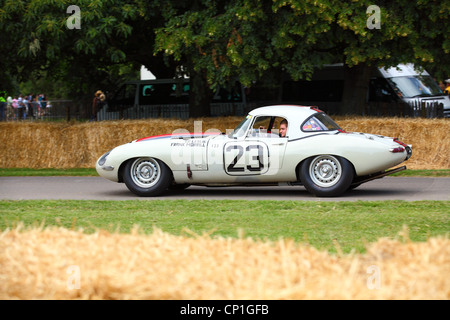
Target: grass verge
[
  {"x": 24, "y": 172},
  {"x": 327, "y": 226}
]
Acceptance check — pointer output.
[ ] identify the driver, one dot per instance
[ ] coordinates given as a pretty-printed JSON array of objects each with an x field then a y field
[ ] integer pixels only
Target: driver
[{"x": 283, "y": 128}]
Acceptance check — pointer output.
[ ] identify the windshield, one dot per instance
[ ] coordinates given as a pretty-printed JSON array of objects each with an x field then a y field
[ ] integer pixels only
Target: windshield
[
  {"x": 242, "y": 127},
  {"x": 320, "y": 122},
  {"x": 413, "y": 86}
]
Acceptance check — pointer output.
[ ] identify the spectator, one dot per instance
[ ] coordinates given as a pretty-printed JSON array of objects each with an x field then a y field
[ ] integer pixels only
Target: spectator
[
  {"x": 447, "y": 89},
  {"x": 30, "y": 111},
  {"x": 20, "y": 107},
  {"x": 97, "y": 104},
  {"x": 35, "y": 106},
  {"x": 9, "y": 109},
  {"x": 43, "y": 105},
  {"x": 15, "y": 106},
  {"x": 2, "y": 105},
  {"x": 26, "y": 107}
]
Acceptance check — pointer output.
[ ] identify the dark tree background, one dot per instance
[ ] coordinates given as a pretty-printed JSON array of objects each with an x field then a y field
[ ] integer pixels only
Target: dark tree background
[{"x": 215, "y": 43}]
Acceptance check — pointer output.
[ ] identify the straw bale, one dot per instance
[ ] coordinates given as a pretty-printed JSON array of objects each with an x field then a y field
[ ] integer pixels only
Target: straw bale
[
  {"x": 79, "y": 145},
  {"x": 37, "y": 263}
]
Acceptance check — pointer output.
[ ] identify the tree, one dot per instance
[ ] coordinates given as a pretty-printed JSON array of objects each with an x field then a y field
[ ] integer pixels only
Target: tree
[
  {"x": 252, "y": 39},
  {"x": 111, "y": 36},
  {"x": 219, "y": 41}
]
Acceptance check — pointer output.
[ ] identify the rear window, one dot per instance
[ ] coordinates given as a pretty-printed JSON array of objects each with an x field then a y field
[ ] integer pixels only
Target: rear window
[
  {"x": 164, "y": 93},
  {"x": 319, "y": 122}
]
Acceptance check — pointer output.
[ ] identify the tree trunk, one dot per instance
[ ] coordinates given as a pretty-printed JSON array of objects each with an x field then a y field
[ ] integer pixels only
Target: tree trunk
[
  {"x": 200, "y": 96},
  {"x": 356, "y": 87}
]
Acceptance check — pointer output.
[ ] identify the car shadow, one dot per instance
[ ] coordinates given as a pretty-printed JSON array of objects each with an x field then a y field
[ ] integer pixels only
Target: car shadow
[{"x": 294, "y": 193}]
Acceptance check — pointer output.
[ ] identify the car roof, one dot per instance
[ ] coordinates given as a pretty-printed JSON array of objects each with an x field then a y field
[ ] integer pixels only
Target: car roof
[{"x": 286, "y": 111}]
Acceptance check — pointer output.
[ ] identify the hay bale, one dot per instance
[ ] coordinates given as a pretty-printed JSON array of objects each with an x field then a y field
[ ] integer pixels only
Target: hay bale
[
  {"x": 67, "y": 264},
  {"x": 79, "y": 145}
]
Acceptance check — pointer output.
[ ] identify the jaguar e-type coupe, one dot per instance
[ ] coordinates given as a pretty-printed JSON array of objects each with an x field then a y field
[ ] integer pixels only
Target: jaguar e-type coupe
[{"x": 281, "y": 144}]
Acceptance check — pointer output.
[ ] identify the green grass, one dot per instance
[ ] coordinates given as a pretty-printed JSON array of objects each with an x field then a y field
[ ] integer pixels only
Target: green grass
[
  {"x": 4, "y": 172},
  {"x": 24, "y": 172},
  {"x": 423, "y": 173},
  {"x": 320, "y": 224}
]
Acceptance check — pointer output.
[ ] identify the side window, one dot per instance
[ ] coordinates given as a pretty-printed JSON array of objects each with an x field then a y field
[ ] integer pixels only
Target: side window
[
  {"x": 126, "y": 93},
  {"x": 319, "y": 122},
  {"x": 179, "y": 93},
  {"x": 379, "y": 90},
  {"x": 164, "y": 93},
  {"x": 147, "y": 90},
  {"x": 313, "y": 125},
  {"x": 147, "y": 93},
  {"x": 261, "y": 124},
  {"x": 269, "y": 127},
  {"x": 130, "y": 91}
]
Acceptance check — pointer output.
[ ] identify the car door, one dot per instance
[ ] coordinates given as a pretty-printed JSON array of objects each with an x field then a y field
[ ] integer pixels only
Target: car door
[{"x": 261, "y": 152}]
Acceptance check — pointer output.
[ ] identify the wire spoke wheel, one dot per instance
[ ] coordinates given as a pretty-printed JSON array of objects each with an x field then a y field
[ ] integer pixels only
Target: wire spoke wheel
[
  {"x": 147, "y": 177},
  {"x": 145, "y": 172},
  {"x": 325, "y": 171},
  {"x": 326, "y": 175}
]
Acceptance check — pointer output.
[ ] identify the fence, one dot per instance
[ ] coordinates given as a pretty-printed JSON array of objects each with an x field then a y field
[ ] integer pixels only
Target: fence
[
  {"x": 58, "y": 110},
  {"x": 71, "y": 110},
  {"x": 413, "y": 109},
  {"x": 180, "y": 111}
]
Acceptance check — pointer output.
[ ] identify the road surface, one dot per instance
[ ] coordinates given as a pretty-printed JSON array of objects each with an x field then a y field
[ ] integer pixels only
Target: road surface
[{"x": 96, "y": 188}]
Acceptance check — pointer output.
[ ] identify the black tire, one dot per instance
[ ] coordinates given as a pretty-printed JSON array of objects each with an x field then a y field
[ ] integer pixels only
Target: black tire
[
  {"x": 352, "y": 187},
  {"x": 326, "y": 175},
  {"x": 147, "y": 177}
]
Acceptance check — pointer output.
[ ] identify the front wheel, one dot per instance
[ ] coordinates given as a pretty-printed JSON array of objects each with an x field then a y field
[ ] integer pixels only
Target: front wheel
[
  {"x": 147, "y": 177},
  {"x": 326, "y": 175}
]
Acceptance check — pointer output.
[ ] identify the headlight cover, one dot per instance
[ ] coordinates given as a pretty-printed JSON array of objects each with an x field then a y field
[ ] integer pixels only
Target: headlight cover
[{"x": 102, "y": 160}]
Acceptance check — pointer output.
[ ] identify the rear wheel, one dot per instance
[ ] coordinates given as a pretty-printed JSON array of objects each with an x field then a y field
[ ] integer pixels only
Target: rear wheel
[
  {"x": 147, "y": 177},
  {"x": 326, "y": 175}
]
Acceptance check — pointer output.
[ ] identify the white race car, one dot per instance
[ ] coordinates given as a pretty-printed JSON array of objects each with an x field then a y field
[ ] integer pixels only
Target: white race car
[{"x": 282, "y": 144}]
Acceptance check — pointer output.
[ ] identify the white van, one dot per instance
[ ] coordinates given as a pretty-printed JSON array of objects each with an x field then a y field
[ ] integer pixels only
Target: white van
[
  {"x": 402, "y": 83},
  {"x": 413, "y": 86}
]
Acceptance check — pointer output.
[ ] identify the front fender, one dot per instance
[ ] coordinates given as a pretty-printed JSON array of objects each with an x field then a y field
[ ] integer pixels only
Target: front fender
[{"x": 111, "y": 169}]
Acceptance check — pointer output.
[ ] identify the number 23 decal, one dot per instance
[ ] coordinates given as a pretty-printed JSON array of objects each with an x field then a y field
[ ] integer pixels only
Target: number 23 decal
[{"x": 246, "y": 158}]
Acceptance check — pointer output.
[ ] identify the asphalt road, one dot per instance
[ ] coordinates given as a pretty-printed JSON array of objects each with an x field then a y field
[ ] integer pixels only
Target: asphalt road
[{"x": 96, "y": 188}]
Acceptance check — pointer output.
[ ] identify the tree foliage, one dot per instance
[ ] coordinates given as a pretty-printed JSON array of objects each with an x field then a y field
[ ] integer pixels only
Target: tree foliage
[
  {"x": 93, "y": 56},
  {"x": 247, "y": 38},
  {"x": 218, "y": 40}
]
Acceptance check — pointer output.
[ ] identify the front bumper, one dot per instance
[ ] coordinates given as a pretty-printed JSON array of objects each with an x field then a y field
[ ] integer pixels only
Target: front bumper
[{"x": 106, "y": 170}]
